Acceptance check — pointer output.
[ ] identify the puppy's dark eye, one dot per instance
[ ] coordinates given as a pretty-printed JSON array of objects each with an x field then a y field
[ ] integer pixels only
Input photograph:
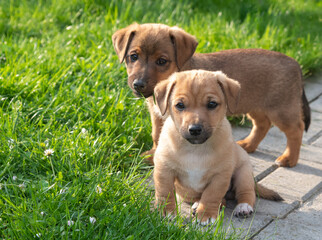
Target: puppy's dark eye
[
  {"x": 161, "y": 62},
  {"x": 212, "y": 105},
  {"x": 134, "y": 57},
  {"x": 180, "y": 106}
]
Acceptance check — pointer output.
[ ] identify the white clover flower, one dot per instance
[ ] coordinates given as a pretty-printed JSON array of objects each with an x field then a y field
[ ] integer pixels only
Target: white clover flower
[
  {"x": 22, "y": 186},
  {"x": 70, "y": 223},
  {"x": 69, "y": 27},
  {"x": 49, "y": 152},
  {"x": 14, "y": 178},
  {"x": 11, "y": 143},
  {"x": 92, "y": 220},
  {"x": 84, "y": 131},
  {"x": 99, "y": 189},
  {"x": 62, "y": 191},
  {"x": 42, "y": 213},
  {"x": 38, "y": 235}
]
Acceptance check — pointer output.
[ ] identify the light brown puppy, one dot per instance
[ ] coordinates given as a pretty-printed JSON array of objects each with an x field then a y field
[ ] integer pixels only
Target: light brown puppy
[
  {"x": 271, "y": 83},
  {"x": 196, "y": 156}
]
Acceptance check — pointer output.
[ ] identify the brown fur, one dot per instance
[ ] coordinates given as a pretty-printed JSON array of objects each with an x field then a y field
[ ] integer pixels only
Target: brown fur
[
  {"x": 271, "y": 82},
  {"x": 201, "y": 167}
]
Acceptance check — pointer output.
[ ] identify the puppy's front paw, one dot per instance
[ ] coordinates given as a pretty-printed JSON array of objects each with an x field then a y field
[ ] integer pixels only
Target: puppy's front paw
[
  {"x": 243, "y": 210},
  {"x": 207, "y": 221},
  {"x": 205, "y": 215},
  {"x": 194, "y": 208}
]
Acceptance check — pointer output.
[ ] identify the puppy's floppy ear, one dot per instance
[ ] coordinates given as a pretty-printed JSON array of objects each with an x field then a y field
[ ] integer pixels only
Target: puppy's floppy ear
[
  {"x": 231, "y": 90},
  {"x": 162, "y": 93},
  {"x": 184, "y": 45},
  {"x": 122, "y": 39}
]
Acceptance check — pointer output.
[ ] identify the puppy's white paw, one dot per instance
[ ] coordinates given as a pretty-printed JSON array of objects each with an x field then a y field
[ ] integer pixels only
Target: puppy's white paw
[
  {"x": 207, "y": 222},
  {"x": 194, "y": 208},
  {"x": 243, "y": 210}
]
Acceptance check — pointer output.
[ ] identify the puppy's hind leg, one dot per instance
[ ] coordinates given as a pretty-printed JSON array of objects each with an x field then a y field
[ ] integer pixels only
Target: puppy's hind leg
[
  {"x": 261, "y": 125},
  {"x": 293, "y": 127}
]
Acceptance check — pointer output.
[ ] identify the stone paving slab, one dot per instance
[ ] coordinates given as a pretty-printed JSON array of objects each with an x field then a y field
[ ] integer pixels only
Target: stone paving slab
[
  {"x": 295, "y": 183},
  {"x": 311, "y": 153},
  {"x": 318, "y": 142},
  {"x": 262, "y": 163},
  {"x": 315, "y": 128},
  {"x": 313, "y": 88},
  {"x": 316, "y": 105},
  {"x": 308, "y": 218}
]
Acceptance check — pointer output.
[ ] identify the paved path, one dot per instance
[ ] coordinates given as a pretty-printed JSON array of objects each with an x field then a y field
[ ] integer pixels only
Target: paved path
[{"x": 300, "y": 215}]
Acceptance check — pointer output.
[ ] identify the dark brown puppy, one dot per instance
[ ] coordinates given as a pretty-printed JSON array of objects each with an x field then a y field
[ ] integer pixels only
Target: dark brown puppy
[{"x": 271, "y": 83}]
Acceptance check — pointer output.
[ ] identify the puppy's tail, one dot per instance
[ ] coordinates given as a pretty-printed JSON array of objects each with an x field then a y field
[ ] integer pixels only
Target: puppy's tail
[
  {"x": 306, "y": 111},
  {"x": 266, "y": 193}
]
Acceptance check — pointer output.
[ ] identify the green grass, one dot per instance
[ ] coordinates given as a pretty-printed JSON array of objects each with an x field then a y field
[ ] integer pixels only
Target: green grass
[{"x": 62, "y": 88}]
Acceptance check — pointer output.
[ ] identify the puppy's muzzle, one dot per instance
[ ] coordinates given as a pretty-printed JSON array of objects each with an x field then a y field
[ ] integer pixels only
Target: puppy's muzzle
[
  {"x": 139, "y": 86},
  {"x": 195, "y": 129},
  {"x": 196, "y": 134}
]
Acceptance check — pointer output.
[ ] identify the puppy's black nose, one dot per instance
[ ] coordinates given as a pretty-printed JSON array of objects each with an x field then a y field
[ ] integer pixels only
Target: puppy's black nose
[
  {"x": 195, "y": 129},
  {"x": 139, "y": 85}
]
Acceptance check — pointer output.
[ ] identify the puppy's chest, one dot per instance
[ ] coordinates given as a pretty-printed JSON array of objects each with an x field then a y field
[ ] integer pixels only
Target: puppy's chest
[
  {"x": 193, "y": 171},
  {"x": 193, "y": 178}
]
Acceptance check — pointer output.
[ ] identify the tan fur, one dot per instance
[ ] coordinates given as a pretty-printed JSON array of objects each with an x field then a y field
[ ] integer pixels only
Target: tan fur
[
  {"x": 271, "y": 83},
  {"x": 200, "y": 168}
]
